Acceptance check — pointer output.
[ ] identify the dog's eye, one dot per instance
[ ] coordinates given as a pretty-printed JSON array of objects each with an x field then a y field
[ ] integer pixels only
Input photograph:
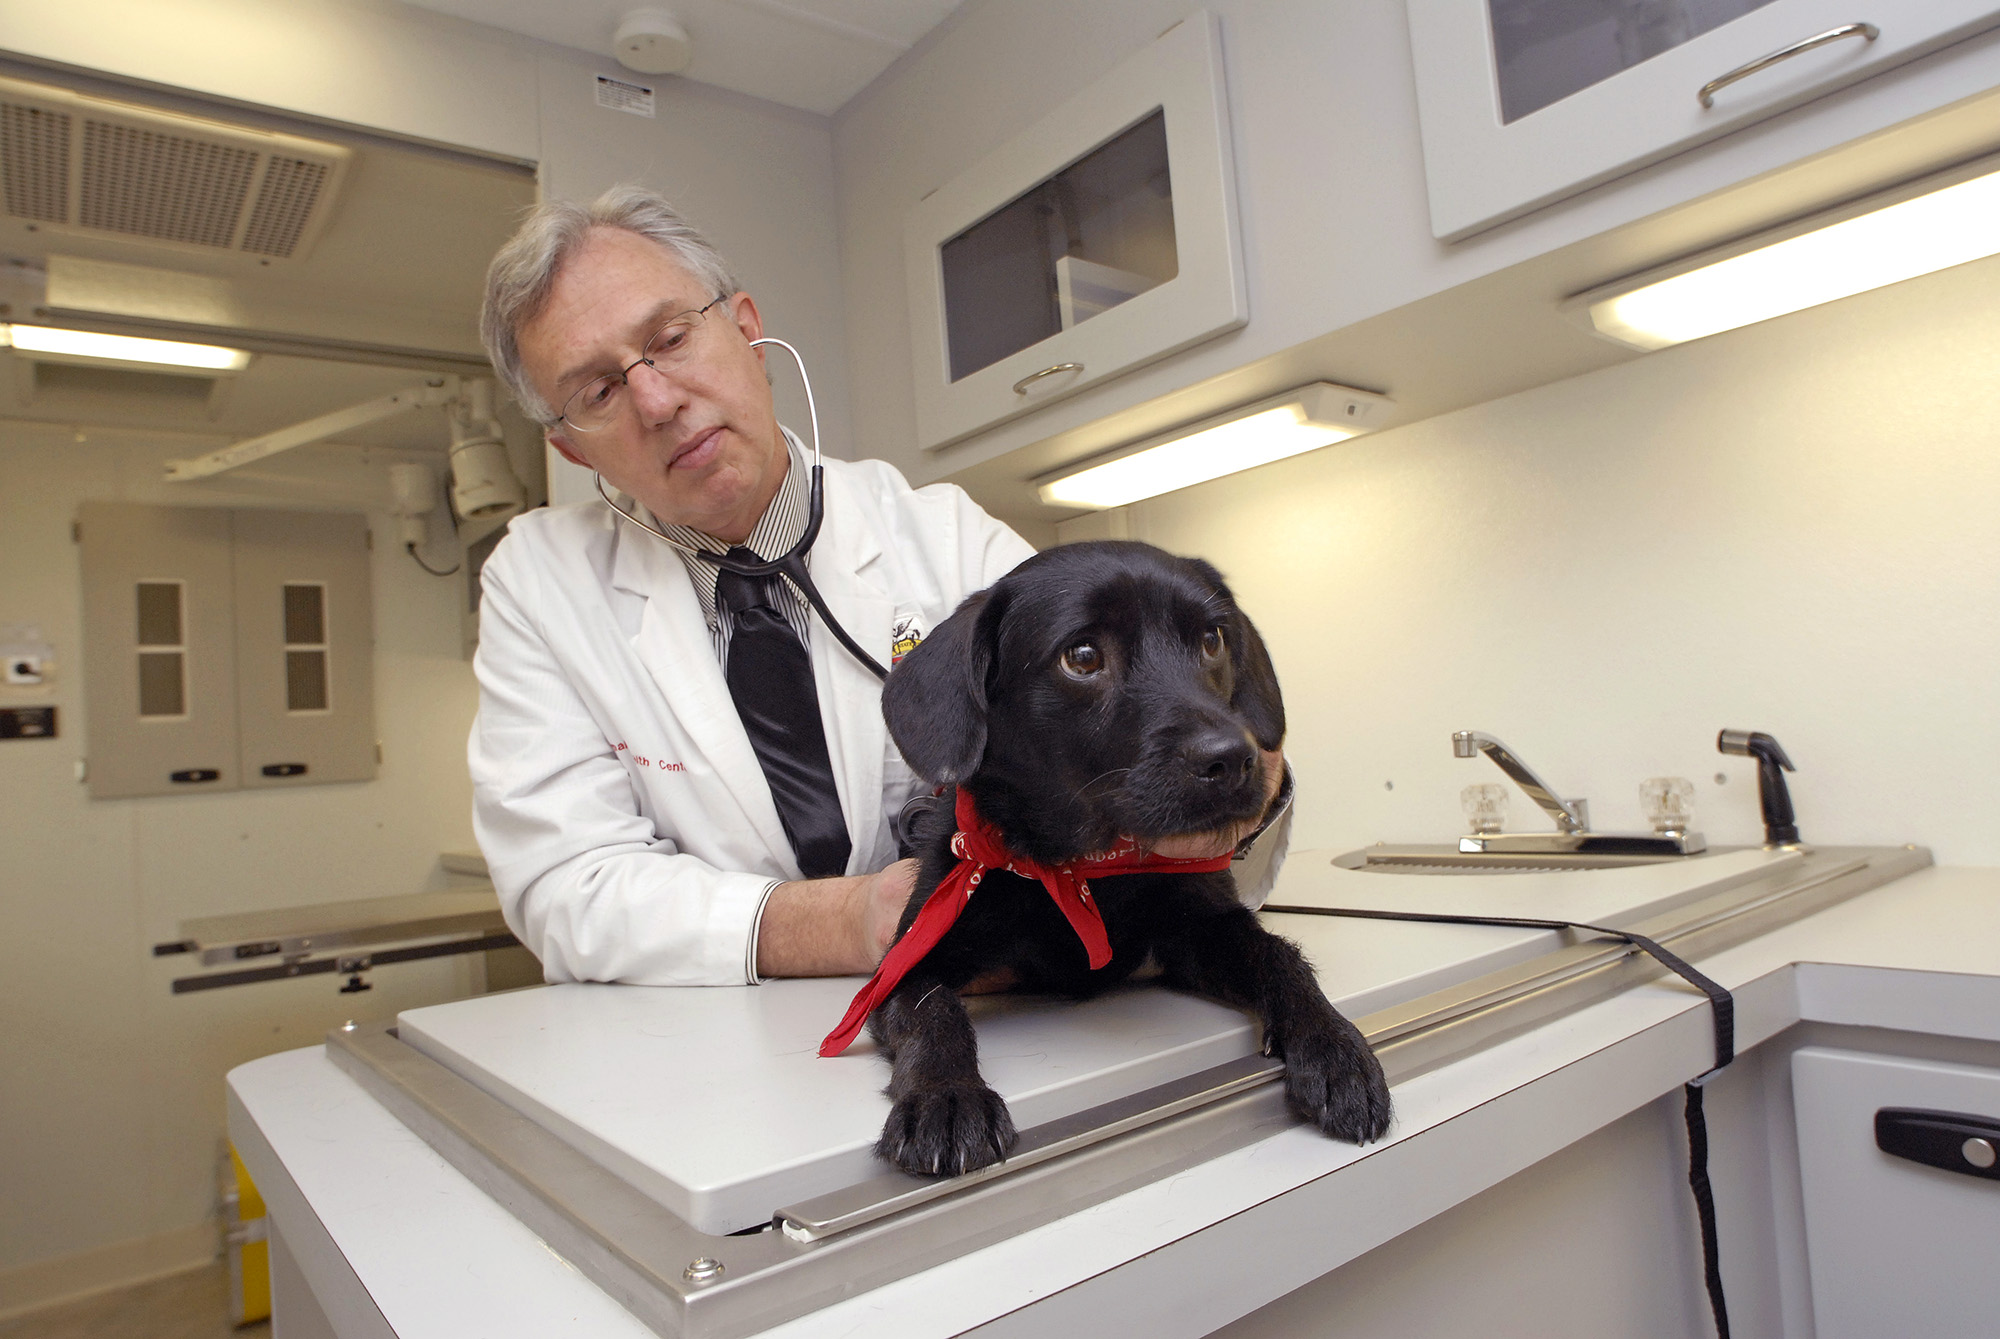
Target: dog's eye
[
  {"x": 1082, "y": 660},
  {"x": 1212, "y": 643}
]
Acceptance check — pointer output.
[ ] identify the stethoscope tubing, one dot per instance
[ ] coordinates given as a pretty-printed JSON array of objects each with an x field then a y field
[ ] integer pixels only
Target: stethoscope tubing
[{"x": 792, "y": 564}]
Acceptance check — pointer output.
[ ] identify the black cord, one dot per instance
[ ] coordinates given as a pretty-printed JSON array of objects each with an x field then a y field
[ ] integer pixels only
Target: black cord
[
  {"x": 792, "y": 566},
  {"x": 411, "y": 549},
  {"x": 1724, "y": 1007}
]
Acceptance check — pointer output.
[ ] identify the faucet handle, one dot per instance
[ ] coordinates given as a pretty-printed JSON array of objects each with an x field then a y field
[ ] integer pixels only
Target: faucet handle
[
  {"x": 1669, "y": 804},
  {"x": 1485, "y": 807}
]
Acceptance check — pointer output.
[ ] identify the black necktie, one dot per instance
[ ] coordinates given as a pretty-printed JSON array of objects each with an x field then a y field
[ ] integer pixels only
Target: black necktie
[{"x": 771, "y": 681}]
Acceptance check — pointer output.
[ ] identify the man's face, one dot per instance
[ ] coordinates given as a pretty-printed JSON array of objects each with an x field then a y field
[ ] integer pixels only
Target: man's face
[{"x": 698, "y": 445}]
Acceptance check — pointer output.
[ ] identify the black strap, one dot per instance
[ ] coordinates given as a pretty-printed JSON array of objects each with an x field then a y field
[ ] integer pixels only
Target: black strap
[
  {"x": 771, "y": 681},
  {"x": 1724, "y": 1010}
]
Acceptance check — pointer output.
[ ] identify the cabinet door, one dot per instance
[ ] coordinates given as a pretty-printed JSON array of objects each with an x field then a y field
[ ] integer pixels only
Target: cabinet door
[
  {"x": 1523, "y": 102},
  {"x": 305, "y": 648},
  {"x": 1101, "y": 239},
  {"x": 159, "y": 670},
  {"x": 1895, "y": 1247}
]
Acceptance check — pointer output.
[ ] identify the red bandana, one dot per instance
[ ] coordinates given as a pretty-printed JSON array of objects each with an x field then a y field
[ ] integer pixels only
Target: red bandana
[{"x": 978, "y": 847}]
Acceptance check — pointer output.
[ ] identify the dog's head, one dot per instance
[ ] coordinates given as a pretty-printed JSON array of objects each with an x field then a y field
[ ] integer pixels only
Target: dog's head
[{"x": 1098, "y": 690}]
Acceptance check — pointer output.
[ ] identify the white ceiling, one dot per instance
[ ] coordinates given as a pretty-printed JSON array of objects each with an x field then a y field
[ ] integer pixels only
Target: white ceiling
[{"x": 810, "y": 54}]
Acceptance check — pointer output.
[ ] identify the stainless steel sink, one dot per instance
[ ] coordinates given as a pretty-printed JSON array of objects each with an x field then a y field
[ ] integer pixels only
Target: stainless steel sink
[{"x": 1440, "y": 859}]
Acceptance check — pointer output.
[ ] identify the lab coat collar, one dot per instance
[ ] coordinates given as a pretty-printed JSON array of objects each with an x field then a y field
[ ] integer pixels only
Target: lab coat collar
[
  {"x": 674, "y": 644},
  {"x": 845, "y": 568}
]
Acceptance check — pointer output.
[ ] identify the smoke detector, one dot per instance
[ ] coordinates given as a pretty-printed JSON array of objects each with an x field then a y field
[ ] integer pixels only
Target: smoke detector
[{"x": 652, "y": 41}]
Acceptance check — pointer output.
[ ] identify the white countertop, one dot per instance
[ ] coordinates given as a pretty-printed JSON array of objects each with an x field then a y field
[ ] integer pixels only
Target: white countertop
[{"x": 429, "y": 1254}]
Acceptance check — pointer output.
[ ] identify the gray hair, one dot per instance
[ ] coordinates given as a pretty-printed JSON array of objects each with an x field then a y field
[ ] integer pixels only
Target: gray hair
[{"x": 525, "y": 269}]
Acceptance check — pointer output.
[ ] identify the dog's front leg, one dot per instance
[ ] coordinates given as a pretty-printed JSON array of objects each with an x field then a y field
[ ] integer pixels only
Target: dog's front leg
[
  {"x": 1331, "y": 1076},
  {"x": 944, "y": 1119}
]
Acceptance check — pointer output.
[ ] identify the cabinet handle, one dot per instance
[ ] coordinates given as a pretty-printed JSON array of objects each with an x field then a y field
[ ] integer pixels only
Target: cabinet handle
[
  {"x": 195, "y": 775},
  {"x": 1866, "y": 31},
  {"x": 1021, "y": 386},
  {"x": 1951, "y": 1140},
  {"x": 284, "y": 769}
]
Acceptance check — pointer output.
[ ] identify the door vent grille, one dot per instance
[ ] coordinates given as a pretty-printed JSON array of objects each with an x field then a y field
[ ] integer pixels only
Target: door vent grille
[
  {"x": 284, "y": 206},
  {"x": 168, "y": 187},
  {"x": 100, "y": 167},
  {"x": 34, "y": 162}
]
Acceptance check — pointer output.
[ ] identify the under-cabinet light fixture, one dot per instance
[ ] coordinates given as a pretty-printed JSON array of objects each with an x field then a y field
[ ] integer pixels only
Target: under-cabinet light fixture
[
  {"x": 86, "y": 346},
  {"x": 1877, "y": 241},
  {"x": 1315, "y": 415}
]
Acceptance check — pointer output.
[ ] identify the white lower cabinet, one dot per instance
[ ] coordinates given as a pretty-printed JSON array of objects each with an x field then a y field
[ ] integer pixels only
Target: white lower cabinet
[{"x": 1895, "y": 1246}]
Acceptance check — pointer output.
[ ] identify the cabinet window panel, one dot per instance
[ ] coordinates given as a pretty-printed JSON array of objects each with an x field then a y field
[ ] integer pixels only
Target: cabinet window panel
[
  {"x": 162, "y": 685},
  {"x": 1545, "y": 50},
  {"x": 1097, "y": 233},
  {"x": 162, "y": 654},
  {"x": 305, "y": 647}
]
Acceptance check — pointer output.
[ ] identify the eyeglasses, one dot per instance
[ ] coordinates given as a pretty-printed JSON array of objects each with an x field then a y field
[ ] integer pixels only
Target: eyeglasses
[{"x": 596, "y": 403}]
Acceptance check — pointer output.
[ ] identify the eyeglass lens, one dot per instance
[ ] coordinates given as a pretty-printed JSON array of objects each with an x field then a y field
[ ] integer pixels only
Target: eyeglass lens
[{"x": 594, "y": 404}]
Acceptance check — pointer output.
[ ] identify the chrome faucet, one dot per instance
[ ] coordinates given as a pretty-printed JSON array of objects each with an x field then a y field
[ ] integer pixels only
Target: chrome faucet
[
  {"x": 1570, "y": 815},
  {"x": 1572, "y": 836}
]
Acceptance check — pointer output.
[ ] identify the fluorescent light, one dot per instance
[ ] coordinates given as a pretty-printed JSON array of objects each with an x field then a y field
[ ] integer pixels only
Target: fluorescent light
[
  {"x": 89, "y": 346},
  {"x": 1302, "y": 420},
  {"x": 1918, "y": 235}
]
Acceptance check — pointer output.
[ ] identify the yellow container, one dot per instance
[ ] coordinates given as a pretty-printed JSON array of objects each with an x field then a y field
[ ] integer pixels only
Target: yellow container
[{"x": 246, "y": 1231}]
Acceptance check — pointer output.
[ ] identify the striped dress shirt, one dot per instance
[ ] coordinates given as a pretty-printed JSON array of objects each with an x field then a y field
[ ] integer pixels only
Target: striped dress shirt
[{"x": 780, "y": 527}]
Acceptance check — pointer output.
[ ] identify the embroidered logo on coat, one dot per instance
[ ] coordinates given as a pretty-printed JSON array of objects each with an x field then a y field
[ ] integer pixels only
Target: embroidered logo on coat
[
  {"x": 641, "y": 760},
  {"x": 904, "y": 637}
]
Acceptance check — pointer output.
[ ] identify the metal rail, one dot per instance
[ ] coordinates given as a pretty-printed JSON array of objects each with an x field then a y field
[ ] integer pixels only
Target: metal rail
[{"x": 351, "y": 964}]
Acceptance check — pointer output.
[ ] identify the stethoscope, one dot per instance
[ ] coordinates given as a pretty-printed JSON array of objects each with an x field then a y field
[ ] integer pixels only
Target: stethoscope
[{"x": 792, "y": 564}]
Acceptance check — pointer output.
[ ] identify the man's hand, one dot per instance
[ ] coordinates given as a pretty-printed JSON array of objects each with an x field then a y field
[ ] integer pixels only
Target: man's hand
[
  {"x": 879, "y": 906},
  {"x": 833, "y": 927},
  {"x": 1208, "y": 845}
]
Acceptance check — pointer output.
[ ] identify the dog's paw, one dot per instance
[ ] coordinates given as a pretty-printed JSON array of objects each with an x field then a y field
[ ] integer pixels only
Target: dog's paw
[
  {"x": 1333, "y": 1080},
  {"x": 947, "y": 1129}
]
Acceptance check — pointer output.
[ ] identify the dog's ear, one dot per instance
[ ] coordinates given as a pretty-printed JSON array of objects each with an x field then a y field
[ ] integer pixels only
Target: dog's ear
[
  {"x": 935, "y": 699},
  {"x": 1255, "y": 698}
]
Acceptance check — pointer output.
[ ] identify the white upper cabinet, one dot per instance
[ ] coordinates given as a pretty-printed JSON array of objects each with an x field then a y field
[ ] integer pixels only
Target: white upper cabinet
[
  {"x": 1523, "y": 102},
  {"x": 1100, "y": 239}
]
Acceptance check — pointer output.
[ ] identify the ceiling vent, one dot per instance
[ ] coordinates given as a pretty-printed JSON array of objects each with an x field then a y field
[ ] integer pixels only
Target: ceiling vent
[{"x": 110, "y": 169}]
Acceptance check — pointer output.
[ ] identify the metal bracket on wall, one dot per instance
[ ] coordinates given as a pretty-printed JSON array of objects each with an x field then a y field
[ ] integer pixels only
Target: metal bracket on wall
[{"x": 438, "y": 391}]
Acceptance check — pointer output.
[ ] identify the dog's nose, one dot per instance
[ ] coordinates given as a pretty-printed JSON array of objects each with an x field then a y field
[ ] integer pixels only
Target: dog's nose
[{"x": 1220, "y": 755}]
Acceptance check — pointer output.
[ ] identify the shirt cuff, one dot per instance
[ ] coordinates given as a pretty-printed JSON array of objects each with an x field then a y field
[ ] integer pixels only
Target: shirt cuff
[{"x": 756, "y": 924}]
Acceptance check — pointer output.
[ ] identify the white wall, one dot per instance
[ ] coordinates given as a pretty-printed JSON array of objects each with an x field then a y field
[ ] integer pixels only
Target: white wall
[
  {"x": 111, "y": 1107},
  {"x": 111, "y": 1112},
  {"x": 756, "y": 176},
  {"x": 1789, "y": 527},
  {"x": 370, "y": 63}
]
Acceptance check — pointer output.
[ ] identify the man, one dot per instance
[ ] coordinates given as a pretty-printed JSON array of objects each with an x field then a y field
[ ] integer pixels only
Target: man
[{"x": 644, "y": 817}]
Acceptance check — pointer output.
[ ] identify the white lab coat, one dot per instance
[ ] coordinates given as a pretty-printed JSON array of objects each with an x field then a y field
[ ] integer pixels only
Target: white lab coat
[{"x": 623, "y": 814}]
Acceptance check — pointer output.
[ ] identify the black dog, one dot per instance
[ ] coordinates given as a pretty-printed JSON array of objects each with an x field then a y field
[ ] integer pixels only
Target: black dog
[{"x": 1099, "y": 692}]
